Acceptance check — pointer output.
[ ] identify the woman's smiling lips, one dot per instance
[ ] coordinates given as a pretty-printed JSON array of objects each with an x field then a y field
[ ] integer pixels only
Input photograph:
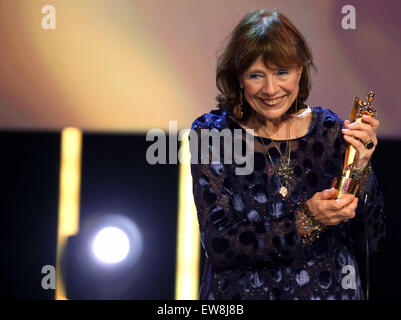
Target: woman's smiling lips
[{"x": 273, "y": 102}]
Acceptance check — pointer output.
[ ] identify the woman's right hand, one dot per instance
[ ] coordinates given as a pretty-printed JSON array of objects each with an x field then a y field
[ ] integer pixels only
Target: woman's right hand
[{"x": 329, "y": 211}]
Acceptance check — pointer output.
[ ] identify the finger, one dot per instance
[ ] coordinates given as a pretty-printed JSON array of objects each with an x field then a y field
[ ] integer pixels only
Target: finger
[
  {"x": 343, "y": 202},
  {"x": 327, "y": 194},
  {"x": 361, "y": 146},
  {"x": 333, "y": 221},
  {"x": 370, "y": 130},
  {"x": 349, "y": 211},
  {"x": 354, "y": 204},
  {"x": 361, "y": 135},
  {"x": 349, "y": 214},
  {"x": 358, "y": 145},
  {"x": 346, "y": 123},
  {"x": 370, "y": 120},
  {"x": 361, "y": 126}
]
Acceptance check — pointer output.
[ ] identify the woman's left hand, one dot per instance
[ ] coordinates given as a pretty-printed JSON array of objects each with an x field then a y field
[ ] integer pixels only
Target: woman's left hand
[{"x": 359, "y": 134}]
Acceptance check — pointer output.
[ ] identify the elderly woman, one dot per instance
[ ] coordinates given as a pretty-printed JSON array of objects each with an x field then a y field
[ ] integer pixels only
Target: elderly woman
[{"x": 278, "y": 232}]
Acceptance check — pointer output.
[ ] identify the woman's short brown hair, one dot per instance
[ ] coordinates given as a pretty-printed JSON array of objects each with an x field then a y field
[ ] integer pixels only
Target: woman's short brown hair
[{"x": 267, "y": 34}]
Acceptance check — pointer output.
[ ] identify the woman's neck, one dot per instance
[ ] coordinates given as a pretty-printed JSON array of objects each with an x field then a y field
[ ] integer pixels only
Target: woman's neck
[
  {"x": 279, "y": 129},
  {"x": 276, "y": 129}
]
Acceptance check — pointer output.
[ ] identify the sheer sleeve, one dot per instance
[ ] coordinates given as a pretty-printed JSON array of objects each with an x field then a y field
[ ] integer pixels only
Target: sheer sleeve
[
  {"x": 232, "y": 231},
  {"x": 369, "y": 221}
]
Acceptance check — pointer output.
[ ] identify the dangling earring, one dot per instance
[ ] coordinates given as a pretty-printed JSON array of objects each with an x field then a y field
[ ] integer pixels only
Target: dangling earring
[{"x": 238, "y": 109}]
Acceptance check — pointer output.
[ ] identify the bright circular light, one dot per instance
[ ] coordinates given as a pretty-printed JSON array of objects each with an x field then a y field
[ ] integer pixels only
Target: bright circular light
[{"x": 111, "y": 245}]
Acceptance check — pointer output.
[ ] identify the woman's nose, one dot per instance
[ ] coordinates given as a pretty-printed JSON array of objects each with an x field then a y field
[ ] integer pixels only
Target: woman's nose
[{"x": 270, "y": 87}]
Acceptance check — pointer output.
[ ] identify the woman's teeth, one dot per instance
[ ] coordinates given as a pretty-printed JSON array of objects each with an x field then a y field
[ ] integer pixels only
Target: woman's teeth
[{"x": 273, "y": 102}]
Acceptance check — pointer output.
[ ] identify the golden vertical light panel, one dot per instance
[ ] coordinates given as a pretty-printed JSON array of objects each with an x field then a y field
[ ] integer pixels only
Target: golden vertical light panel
[
  {"x": 188, "y": 237},
  {"x": 69, "y": 197}
]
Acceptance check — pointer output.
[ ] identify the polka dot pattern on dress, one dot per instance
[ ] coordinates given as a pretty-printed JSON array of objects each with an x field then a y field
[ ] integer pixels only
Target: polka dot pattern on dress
[{"x": 248, "y": 231}]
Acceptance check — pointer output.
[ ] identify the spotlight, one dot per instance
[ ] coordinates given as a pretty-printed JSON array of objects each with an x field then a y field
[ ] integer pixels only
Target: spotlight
[
  {"x": 102, "y": 261},
  {"x": 113, "y": 240},
  {"x": 111, "y": 245}
]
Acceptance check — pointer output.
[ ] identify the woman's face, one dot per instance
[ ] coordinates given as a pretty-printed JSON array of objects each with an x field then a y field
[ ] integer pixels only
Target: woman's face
[{"x": 270, "y": 91}]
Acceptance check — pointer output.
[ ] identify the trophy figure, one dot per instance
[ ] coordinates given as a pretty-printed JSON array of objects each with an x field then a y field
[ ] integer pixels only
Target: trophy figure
[{"x": 345, "y": 184}]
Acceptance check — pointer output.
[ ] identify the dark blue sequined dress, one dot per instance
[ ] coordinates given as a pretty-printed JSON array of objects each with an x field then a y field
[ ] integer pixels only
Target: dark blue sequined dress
[{"x": 248, "y": 231}]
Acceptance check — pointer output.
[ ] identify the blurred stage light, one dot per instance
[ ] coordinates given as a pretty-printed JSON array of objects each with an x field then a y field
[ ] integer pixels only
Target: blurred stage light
[
  {"x": 111, "y": 245},
  {"x": 102, "y": 261},
  {"x": 69, "y": 199},
  {"x": 113, "y": 238}
]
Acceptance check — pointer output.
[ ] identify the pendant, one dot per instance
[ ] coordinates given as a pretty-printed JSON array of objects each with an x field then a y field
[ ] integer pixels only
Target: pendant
[
  {"x": 285, "y": 171},
  {"x": 283, "y": 192}
]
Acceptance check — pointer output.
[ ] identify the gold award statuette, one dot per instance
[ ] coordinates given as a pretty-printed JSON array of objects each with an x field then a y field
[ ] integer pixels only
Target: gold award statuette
[{"x": 345, "y": 184}]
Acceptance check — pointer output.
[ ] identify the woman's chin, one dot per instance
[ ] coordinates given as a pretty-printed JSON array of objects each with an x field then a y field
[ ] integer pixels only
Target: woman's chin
[{"x": 273, "y": 114}]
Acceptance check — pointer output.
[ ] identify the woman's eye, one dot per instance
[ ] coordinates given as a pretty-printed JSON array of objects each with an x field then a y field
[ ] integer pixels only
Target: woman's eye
[
  {"x": 282, "y": 72},
  {"x": 254, "y": 76}
]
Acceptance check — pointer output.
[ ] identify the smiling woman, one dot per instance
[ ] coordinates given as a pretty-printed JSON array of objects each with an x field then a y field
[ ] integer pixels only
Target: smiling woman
[
  {"x": 271, "y": 43},
  {"x": 270, "y": 91},
  {"x": 278, "y": 233}
]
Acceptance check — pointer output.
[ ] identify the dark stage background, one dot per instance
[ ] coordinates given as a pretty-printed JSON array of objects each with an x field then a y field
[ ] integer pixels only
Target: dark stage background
[{"x": 116, "y": 180}]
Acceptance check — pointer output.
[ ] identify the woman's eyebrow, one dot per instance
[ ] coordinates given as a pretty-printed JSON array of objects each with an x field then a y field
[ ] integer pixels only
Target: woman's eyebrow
[
  {"x": 256, "y": 70},
  {"x": 275, "y": 69}
]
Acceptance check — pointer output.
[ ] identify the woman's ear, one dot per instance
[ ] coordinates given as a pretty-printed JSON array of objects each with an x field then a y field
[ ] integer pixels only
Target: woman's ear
[
  {"x": 300, "y": 69},
  {"x": 299, "y": 72}
]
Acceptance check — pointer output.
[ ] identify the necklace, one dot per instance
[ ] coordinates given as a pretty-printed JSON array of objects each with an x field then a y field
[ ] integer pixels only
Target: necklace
[{"x": 284, "y": 171}]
